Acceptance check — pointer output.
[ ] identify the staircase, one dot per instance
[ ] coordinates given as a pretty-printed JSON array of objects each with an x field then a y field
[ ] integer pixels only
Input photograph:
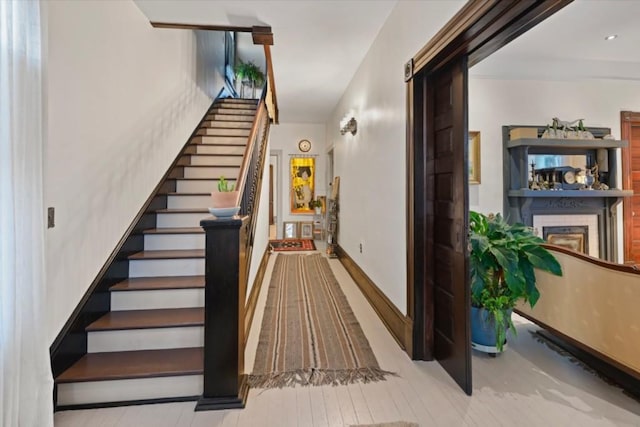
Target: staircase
[{"x": 149, "y": 346}]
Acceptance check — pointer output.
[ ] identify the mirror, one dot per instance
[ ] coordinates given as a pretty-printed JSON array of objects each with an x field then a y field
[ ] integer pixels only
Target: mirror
[{"x": 550, "y": 161}]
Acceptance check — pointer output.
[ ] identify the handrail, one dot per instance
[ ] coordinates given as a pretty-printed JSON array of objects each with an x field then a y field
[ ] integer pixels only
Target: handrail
[{"x": 272, "y": 100}]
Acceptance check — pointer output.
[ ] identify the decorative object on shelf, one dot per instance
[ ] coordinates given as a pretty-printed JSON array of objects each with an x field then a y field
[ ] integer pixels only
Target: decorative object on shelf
[
  {"x": 306, "y": 230},
  {"x": 250, "y": 75},
  {"x": 226, "y": 196},
  {"x": 290, "y": 229},
  {"x": 348, "y": 125},
  {"x": 561, "y": 129},
  {"x": 474, "y": 157},
  {"x": 502, "y": 261},
  {"x": 304, "y": 145},
  {"x": 316, "y": 205},
  {"x": 589, "y": 179},
  {"x": 302, "y": 173}
]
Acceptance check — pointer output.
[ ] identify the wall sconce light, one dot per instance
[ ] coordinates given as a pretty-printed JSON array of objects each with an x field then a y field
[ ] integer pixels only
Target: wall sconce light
[{"x": 349, "y": 125}]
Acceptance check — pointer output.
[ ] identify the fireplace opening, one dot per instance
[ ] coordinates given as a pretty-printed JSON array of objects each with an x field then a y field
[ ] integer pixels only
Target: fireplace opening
[{"x": 574, "y": 237}]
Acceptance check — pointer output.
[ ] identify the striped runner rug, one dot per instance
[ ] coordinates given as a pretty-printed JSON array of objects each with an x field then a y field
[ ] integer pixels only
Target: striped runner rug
[{"x": 309, "y": 333}]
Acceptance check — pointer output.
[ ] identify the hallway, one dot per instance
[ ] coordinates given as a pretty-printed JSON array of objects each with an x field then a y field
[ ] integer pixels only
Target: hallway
[{"x": 528, "y": 385}]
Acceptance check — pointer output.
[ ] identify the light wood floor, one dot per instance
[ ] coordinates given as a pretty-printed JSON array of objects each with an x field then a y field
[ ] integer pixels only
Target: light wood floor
[{"x": 528, "y": 385}]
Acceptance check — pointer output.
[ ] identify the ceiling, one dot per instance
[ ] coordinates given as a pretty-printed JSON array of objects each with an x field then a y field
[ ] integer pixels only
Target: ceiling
[
  {"x": 571, "y": 45},
  {"x": 318, "y": 45}
]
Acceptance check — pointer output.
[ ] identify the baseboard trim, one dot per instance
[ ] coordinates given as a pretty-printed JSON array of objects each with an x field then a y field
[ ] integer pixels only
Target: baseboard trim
[
  {"x": 399, "y": 325},
  {"x": 250, "y": 308},
  {"x": 126, "y": 403}
]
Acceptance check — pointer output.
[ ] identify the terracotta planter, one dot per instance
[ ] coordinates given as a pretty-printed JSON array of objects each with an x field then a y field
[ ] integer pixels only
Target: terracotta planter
[{"x": 224, "y": 199}]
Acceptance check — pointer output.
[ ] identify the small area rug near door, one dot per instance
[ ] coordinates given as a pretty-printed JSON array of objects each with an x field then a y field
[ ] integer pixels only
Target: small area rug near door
[
  {"x": 309, "y": 334},
  {"x": 292, "y": 245}
]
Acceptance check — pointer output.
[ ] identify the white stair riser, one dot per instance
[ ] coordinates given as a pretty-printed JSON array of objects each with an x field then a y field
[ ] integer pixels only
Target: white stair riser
[
  {"x": 229, "y": 117},
  {"x": 166, "y": 267},
  {"x": 236, "y": 105},
  {"x": 238, "y": 111},
  {"x": 131, "y": 389},
  {"x": 243, "y": 132},
  {"x": 227, "y": 132},
  {"x": 220, "y": 139},
  {"x": 221, "y": 149},
  {"x": 168, "y": 242},
  {"x": 145, "y": 339},
  {"x": 180, "y": 202},
  {"x": 171, "y": 220},
  {"x": 157, "y": 298},
  {"x": 217, "y": 160},
  {"x": 211, "y": 172},
  {"x": 224, "y": 123},
  {"x": 199, "y": 186}
]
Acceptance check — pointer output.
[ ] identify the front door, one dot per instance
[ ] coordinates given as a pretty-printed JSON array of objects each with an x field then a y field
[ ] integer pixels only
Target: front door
[{"x": 631, "y": 178}]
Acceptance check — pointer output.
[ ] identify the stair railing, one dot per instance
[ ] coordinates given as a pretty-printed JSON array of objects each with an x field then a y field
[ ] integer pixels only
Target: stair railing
[{"x": 228, "y": 254}]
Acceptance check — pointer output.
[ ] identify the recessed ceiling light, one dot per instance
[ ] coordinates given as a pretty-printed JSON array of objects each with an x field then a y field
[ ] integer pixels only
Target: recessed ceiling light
[{"x": 611, "y": 37}]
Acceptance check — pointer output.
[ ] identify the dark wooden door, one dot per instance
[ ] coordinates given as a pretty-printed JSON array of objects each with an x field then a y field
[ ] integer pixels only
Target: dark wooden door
[
  {"x": 631, "y": 180},
  {"x": 441, "y": 146}
]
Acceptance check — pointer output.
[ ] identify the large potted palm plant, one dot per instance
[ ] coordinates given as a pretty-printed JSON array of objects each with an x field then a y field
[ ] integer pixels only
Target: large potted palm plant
[{"x": 502, "y": 262}]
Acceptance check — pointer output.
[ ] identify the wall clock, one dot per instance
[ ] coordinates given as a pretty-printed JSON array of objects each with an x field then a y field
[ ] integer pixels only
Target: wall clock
[{"x": 304, "y": 145}]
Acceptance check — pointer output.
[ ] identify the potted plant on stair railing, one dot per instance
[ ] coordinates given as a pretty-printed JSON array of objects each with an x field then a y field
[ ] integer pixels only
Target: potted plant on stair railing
[
  {"x": 249, "y": 74},
  {"x": 225, "y": 200},
  {"x": 502, "y": 262}
]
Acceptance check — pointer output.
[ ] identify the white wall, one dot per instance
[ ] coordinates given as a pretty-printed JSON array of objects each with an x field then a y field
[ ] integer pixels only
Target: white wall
[
  {"x": 285, "y": 137},
  {"x": 372, "y": 164},
  {"x": 494, "y": 103},
  {"x": 122, "y": 100}
]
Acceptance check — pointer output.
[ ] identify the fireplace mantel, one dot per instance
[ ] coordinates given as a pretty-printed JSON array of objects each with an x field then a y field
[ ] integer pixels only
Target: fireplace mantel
[{"x": 521, "y": 203}]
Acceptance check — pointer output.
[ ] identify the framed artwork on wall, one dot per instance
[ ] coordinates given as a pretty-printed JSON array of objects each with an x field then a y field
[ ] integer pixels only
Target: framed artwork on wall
[
  {"x": 302, "y": 175},
  {"x": 290, "y": 230},
  {"x": 474, "y": 157},
  {"x": 306, "y": 230}
]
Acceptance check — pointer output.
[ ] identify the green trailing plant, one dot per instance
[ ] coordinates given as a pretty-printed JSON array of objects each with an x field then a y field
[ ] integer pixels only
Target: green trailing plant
[
  {"x": 248, "y": 71},
  {"x": 223, "y": 185},
  {"x": 502, "y": 262}
]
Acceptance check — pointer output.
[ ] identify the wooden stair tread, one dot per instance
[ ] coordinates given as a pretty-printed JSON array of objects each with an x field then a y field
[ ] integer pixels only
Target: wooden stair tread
[
  {"x": 211, "y": 166},
  {"x": 203, "y": 179},
  {"x": 173, "y": 254},
  {"x": 233, "y": 118},
  {"x": 214, "y": 155},
  {"x": 157, "y": 283},
  {"x": 135, "y": 364},
  {"x": 146, "y": 319},
  {"x": 186, "y": 210},
  {"x": 175, "y": 230}
]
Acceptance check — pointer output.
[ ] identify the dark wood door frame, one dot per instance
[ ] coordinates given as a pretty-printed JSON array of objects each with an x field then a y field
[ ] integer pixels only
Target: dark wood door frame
[
  {"x": 480, "y": 28},
  {"x": 627, "y": 119}
]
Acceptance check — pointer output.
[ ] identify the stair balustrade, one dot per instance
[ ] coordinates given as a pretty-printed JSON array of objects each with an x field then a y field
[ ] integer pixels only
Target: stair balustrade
[{"x": 229, "y": 246}]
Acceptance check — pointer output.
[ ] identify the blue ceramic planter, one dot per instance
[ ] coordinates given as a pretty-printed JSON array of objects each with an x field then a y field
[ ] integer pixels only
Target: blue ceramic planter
[{"x": 483, "y": 330}]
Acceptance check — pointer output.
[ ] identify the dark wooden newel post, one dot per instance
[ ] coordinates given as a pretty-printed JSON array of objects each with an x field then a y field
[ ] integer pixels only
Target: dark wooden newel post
[{"x": 224, "y": 379}]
